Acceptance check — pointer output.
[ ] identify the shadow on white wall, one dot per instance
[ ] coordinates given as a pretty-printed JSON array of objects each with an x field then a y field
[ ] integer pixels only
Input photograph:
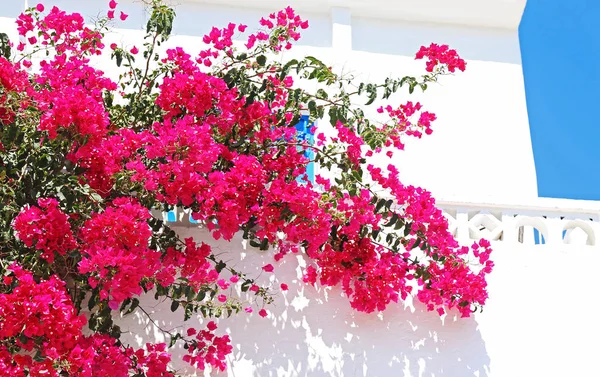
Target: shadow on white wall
[{"x": 314, "y": 331}]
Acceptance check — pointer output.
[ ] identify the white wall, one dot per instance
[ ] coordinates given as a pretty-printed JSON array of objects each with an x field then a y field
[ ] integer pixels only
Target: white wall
[
  {"x": 540, "y": 320},
  {"x": 481, "y": 147},
  {"x": 541, "y": 316}
]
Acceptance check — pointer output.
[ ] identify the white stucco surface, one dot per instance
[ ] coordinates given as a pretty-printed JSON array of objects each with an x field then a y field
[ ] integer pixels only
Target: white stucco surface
[
  {"x": 541, "y": 319},
  {"x": 480, "y": 149}
]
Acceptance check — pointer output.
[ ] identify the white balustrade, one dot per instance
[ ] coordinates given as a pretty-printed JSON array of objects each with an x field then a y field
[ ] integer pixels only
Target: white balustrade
[{"x": 538, "y": 222}]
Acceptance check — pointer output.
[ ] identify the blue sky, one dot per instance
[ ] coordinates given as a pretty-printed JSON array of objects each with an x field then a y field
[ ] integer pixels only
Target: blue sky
[{"x": 560, "y": 45}]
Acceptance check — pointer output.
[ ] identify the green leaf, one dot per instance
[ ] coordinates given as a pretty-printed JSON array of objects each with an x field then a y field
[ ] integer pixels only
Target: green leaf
[
  {"x": 315, "y": 61},
  {"x": 174, "y": 339},
  {"x": 188, "y": 312},
  {"x": 312, "y": 107},
  {"x": 333, "y": 115},
  {"x": 360, "y": 88},
  {"x": 264, "y": 245},
  {"x": 322, "y": 94},
  {"x": 286, "y": 68},
  {"x": 415, "y": 244},
  {"x": 220, "y": 266},
  {"x": 94, "y": 299},
  {"x": 372, "y": 94},
  {"x": 118, "y": 54},
  {"x": 379, "y": 205},
  {"x": 5, "y": 46},
  {"x": 134, "y": 304},
  {"x": 39, "y": 357},
  {"x": 261, "y": 60},
  {"x": 392, "y": 220},
  {"x": 174, "y": 305}
]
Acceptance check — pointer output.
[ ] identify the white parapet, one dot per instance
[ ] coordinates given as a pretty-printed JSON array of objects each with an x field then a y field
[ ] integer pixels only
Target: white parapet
[
  {"x": 541, "y": 306},
  {"x": 537, "y": 222},
  {"x": 541, "y": 221}
]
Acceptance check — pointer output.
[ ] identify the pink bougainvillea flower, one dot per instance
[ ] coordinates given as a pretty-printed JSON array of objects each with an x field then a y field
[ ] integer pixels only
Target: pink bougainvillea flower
[
  {"x": 188, "y": 153},
  {"x": 268, "y": 268},
  {"x": 40, "y": 7}
]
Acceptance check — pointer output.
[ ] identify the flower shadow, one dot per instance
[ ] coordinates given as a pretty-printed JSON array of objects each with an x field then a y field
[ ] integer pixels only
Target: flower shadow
[{"x": 314, "y": 332}]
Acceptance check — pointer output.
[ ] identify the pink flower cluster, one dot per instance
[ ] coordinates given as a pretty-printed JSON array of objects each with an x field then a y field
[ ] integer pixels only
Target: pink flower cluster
[
  {"x": 236, "y": 161},
  {"x": 287, "y": 22},
  {"x": 39, "y": 310},
  {"x": 454, "y": 284},
  {"x": 70, "y": 98},
  {"x": 459, "y": 281},
  {"x": 115, "y": 250},
  {"x": 45, "y": 227},
  {"x": 353, "y": 141},
  {"x": 207, "y": 348},
  {"x": 402, "y": 124},
  {"x": 441, "y": 55},
  {"x": 191, "y": 263},
  {"x": 65, "y": 32},
  {"x": 14, "y": 81},
  {"x": 40, "y": 317}
]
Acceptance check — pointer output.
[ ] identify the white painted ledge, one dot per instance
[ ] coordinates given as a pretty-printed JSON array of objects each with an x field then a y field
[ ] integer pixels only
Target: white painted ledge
[
  {"x": 542, "y": 222},
  {"x": 505, "y": 14},
  {"x": 539, "y": 222}
]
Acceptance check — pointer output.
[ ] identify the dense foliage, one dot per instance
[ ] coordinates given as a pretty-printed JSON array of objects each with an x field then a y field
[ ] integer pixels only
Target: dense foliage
[{"x": 86, "y": 160}]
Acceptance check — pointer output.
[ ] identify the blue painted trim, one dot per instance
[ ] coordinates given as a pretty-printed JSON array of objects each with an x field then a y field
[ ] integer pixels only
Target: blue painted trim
[
  {"x": 538, "y": 237},
  {"x": 304, "y": 134},
  {"x": 171, "y": 218}
]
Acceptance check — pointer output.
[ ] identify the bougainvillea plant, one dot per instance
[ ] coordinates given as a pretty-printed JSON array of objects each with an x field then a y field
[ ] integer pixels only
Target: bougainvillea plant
[{"x": 86, "y": 160}]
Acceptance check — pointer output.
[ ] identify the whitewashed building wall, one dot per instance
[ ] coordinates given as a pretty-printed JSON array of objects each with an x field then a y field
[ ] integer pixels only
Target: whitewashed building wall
[{"x": 541, "y": 319}]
